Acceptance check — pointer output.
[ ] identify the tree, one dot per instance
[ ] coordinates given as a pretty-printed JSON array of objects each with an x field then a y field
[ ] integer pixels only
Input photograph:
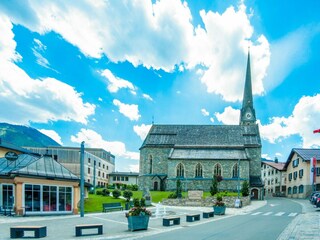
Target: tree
[
  {"x": 179, "y": 189},
  {"x": 127, "y": 194},
  {"x": 245, "y": 189},
  {"x": 214, "y": 186}
]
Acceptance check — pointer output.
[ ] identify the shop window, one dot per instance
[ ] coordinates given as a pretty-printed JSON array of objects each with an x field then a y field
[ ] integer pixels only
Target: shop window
[{"x": 7, "y": 196}]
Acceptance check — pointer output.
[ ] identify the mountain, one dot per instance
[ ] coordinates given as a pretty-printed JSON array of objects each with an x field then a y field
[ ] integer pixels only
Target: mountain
[{"x": 24, "y": 136}]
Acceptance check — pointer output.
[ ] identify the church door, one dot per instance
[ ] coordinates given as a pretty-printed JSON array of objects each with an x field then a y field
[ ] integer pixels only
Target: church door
[
  {"x": 155, "y": 186},
  {"x": 254, "y": 194}
]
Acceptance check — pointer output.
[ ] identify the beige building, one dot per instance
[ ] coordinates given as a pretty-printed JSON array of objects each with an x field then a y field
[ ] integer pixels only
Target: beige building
[
  {"x": 274, "y": 177},
  {"x": 98, "y": 163},
  {"x": 299, "y": 175},
  {"x": 35, "y": 184}
]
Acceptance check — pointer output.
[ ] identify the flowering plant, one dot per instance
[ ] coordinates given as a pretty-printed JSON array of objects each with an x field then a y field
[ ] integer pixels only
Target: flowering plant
[
  {"x": 219, "y": 201},
  {"x": 139, "y": 209}
]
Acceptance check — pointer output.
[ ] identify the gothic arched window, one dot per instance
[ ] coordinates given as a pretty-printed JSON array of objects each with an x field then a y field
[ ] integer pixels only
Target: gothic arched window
[
  {"x": 150, "y": 164},
  {"x": 235, "y": 171},
  {"x": 180, "y": 170},
  {"x": 217, "y": 170},
  {"x": 198, "y": 172}
]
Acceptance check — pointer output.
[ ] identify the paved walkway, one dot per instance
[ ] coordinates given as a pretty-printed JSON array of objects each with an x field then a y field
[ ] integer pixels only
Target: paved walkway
[{"x": 115, "y": 226}]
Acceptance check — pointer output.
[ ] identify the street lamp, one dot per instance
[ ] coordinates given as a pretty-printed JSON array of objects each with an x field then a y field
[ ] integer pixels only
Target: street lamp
[{"x": 82, "y": 180}]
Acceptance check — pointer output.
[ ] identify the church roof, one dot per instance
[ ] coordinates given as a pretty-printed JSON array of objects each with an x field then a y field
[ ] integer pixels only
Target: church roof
[
  {"x": 208, "y": 154},
  {"x": 203, "y": 136}
]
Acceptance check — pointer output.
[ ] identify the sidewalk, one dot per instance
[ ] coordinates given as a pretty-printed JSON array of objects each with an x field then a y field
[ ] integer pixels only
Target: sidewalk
[{"x": 304, "y": 226}]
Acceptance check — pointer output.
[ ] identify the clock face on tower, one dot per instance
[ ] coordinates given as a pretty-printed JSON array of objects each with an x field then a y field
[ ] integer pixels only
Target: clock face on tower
[{"x": 248, "y": 115}]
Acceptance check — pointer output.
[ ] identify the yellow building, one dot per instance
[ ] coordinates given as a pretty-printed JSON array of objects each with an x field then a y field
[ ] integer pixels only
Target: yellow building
[
  {"x": 35, "y": 184},
  {"x": 299, "y": 174}
]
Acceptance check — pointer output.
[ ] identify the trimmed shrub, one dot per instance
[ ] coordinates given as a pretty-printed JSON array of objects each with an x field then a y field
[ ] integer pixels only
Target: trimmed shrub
[
  {"x": 106, "y": 192},
  {"x": 127, "y": 194},
  {"x": 116, "y": 193}
]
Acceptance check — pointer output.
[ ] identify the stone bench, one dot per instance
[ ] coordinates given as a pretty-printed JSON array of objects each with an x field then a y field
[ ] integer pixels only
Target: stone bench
[
  {"x": 18, "y": 231},
  {"x": 167, "y": 220},
  {"x": 79, "y": 229},
  {"x": 208, "y": 214},
  {"x": 193, "y": 217}
]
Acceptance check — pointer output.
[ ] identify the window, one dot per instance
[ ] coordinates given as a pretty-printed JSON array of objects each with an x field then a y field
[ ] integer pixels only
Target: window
[
  {"x": 294, "y": 189},
  {"x": 289, "y": 190},
  {"x": 290, "y": 176},
  {"x": 114, "y": 178},
  {"x": 235, "y": 171},
  {"x": 180, "y": 170},
  {"x": 103, "y": 174},
  {"x": 89, "y": 160},
  {"x": 276, "y": 180},
  {"x": 118, "y": 178},
  {"x": 217, "y": 170},
  {"x": 301, "y": 189},
  {"x": 107, "y": 167},
  {"x": 7, "y": 196},
  {"x": 49, "y": 198},
  {"x": 318, "y": 171},
  {"x": 122, "y": 178},
  {"x": 269, "y": 173},
  {"x": 88, "y": 180},
  {"x": 150, "y": 164},
  {"x": 268, "y": 182},
  {"x": 127, "y": 179},
  {"x": 99, "y": 164},
  {"x": 88, "y": 170},
  {"x": 32, "y": 197},
  {"x": 98, "y": 173},
  {"x": 295, "y": 175},
  {"x": 300, "y": 173},
  {"x": 198, "y": 172},
  {"x": 272, "y": 171},
  {"x": 295, "y": 163},
  {"x": 264, "y": 174},
  {"x": 103, "y": 166}
]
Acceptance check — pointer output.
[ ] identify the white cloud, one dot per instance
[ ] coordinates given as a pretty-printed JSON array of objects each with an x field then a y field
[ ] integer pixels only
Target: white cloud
[
  {"x": 100, "y": 99},
  {"x": 142, "y": 130},
  {"x": 304, "y": 119},
  {"x": 34, "y": 100},
  {"x": 95, "y": 140},
  {"x": 131, "y": 111},
  {"x": 52, "y": 134},
  {"x": 212, "y": 119},
  {"x": 116, "y": 83},
  {"x": 205, "y": 112},
  {"x": 146, "y": 96},
  {"x": 219, "y": 47},
  {"x": 134, "y": 168},
  {"x": 266, "y": 156},
  {"x": 229, "y": 116},
  {"x": 39, "y": 48}
]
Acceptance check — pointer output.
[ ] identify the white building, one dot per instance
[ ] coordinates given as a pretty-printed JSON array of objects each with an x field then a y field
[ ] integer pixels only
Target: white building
[
  {"x": 274, "y": 177},
  {"x": 98, "y": 163},
  {"x": 124, "y": 177}
]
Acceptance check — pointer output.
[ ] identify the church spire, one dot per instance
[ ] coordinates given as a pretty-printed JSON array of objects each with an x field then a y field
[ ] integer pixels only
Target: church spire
[{"x": 248, "y": 115}]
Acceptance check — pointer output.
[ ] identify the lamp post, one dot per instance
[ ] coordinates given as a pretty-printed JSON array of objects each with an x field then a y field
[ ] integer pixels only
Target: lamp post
[
  {"x": 313, "y": 166},
  {"x": 239, "y": 178},
  {"x": 82, "y": 180}
]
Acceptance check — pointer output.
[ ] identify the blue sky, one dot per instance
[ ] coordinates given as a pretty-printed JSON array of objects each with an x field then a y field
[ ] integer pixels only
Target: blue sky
[{"x": 103, "y": 71}]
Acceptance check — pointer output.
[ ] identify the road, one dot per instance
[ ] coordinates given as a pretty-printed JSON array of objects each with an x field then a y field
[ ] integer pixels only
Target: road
[{"x": 265, "y": 223}]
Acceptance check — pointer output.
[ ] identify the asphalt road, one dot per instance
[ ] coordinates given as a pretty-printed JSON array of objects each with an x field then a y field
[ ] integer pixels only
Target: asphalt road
[{"x": 265, "y": 223}]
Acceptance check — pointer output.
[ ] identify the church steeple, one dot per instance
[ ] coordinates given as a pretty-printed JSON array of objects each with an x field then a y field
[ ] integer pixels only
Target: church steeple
[{"x": 248, "y": 115}]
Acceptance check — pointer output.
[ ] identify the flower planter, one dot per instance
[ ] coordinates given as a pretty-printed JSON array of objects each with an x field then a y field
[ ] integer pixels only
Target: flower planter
[
  {"x": 138, "y": 222},
  {"x": 219, "y": 210}
]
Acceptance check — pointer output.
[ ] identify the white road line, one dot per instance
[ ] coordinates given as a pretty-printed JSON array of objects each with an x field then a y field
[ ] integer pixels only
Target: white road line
[
  {"x": 256, "y": 213},
  {"x": 268, "y": 213},
  {"x": 293, "y": 214},
  {"x": 279, "y": 214}
]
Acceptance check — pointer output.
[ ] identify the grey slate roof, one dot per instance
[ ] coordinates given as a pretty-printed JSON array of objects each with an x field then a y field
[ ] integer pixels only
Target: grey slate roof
[
  {"x": 203, "y": 136},
  {"x": 211, "y": 154},
  {"x": 305, "y": 153},
  {"x": 35, "y": 165}
]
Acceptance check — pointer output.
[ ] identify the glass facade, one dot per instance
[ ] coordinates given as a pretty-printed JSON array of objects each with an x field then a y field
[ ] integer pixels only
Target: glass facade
[{"x": 46, "y": 198}]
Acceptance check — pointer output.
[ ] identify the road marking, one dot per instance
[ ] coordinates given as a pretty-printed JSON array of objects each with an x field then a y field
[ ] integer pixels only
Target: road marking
[
  {"x": 268, "y": 213},
  {"x": 293, "y": 214},
  {"x": 279, "y": 214},
  {"x": 273, "y": 205},
  {"x": 257, "y": 213}
]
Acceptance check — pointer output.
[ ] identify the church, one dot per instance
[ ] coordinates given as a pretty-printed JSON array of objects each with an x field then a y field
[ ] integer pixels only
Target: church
[{"x": 196, "y": 153}]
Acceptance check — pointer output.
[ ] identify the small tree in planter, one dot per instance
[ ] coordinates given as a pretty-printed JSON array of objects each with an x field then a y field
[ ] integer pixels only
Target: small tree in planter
[
  {"x": 214, "y": 186},
  {"x": 127, "y": 194},
  {"x": 179, "y": 189},
  {"x": 138, "y": 216},
  {"x": 219, "y": 206}
]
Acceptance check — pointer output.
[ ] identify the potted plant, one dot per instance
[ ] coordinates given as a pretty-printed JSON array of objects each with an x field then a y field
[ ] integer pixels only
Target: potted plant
[
  {"x": 219, "y": 206},
  {"x": 127, "y": 194},
  {"x": 138, "y": 216}
]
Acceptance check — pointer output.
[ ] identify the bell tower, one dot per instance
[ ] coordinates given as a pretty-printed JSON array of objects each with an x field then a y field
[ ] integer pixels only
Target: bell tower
[{"x": 248, "y": 114}]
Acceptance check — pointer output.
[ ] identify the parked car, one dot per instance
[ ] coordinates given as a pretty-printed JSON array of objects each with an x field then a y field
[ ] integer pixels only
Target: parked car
[
  {"x": 314, "y": 197},
  {"x": 318, "y": 202}
]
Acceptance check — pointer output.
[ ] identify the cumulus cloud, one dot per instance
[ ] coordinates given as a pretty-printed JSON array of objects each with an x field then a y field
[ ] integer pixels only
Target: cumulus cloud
[
  {"x": 218, "y": 48},
  {"x": 131, "y": 111},
  {"x": 52, "y": 134},
  {"x": 142, "y": 130},
  {"x": 34, "y": 100},
  {"x": 95, "y": 140},
  {"x": 205, "y": 112},
  {"x": 303, "y": 120},
  {"x": 228, "y": 116},
  {"x": 134, "y": 168},
  {"x": 115, "y": 83}
]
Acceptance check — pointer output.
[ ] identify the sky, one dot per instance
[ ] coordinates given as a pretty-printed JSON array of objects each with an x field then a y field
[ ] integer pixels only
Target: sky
[{"x": 103, "y": 71}]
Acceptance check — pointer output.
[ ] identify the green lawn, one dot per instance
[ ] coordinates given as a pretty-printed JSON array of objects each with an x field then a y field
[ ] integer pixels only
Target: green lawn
[{"x": 94, "y": 202}]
